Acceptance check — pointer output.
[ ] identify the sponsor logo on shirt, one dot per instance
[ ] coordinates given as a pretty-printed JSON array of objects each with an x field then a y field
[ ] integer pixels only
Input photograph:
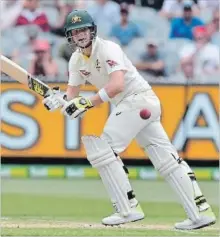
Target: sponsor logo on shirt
[
  {"x": 85, "y": 73},
  {"x": 112, "y": 63},
  {"x": 97, "y": 65}
]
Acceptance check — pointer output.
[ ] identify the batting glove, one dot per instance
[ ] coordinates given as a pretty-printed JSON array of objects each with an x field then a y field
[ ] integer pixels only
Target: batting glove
[
  {"x": 51, "y": 102},
  {"x": 76, "y": 107}
]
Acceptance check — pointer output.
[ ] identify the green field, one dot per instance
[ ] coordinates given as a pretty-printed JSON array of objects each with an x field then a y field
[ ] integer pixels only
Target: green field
[{"x": 76, "y": 207}]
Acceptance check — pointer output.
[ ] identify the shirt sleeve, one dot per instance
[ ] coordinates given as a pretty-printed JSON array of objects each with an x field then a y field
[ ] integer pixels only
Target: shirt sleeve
[
  {"x": 114, "y": 58},
  {"x": 75, "y": 78}
]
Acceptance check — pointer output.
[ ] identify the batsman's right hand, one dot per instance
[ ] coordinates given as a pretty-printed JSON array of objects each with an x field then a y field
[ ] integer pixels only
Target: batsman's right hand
[{"x": 51, "y": 102}]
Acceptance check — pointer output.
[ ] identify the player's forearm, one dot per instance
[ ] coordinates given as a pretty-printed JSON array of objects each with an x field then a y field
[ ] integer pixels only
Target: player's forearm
[
  {"x": 72, "y": 92},
  {"x": 111, "y": 89},
  {"x": 97, "y": 100}
]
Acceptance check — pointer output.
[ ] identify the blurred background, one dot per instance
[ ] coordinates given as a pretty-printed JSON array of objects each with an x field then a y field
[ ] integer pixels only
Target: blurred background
[{"x": 173, "y": 43}]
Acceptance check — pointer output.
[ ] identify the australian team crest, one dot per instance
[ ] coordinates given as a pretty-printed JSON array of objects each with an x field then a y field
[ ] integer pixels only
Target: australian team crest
[{"x": 76, "y": 19}]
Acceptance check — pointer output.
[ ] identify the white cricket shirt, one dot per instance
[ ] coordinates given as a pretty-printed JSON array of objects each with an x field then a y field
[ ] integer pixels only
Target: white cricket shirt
[{"x": 106, "y": 57}]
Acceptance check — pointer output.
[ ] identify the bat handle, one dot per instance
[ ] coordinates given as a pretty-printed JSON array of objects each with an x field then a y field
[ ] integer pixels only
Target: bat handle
[
  {"x": 61, "y": 100},
  {"x": 59, "y": 97}
]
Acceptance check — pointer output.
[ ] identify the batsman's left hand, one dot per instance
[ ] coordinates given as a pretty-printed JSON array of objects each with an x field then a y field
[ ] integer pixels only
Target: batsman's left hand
[{"x": 76, "y": 107}]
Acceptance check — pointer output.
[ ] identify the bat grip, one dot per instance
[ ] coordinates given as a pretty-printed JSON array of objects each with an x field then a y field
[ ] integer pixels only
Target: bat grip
[
  {"x": 61, "y": 100},
  {"x": 58, "y": 95}
]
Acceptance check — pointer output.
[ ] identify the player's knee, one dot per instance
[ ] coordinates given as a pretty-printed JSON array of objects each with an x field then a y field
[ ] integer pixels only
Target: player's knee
[
  {"x": 99, "y": 153},
  {"x": 163, "y": 161},
  {"x": 109, "y": 140},
  {"x": 116, "y": 141}
]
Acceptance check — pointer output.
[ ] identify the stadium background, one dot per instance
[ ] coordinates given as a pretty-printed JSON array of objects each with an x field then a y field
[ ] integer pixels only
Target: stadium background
[{"x": 189, "y": 103}]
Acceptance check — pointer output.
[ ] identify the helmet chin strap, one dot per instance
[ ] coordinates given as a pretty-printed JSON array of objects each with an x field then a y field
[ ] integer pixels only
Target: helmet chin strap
[{"x": 87, "y": 46}]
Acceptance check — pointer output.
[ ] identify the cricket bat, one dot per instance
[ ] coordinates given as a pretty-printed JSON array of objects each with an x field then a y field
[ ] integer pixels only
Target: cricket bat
[{"x": 20, "y": 74}]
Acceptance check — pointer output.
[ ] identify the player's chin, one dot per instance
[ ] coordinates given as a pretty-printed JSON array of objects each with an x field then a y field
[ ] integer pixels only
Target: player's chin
[{"x": 83, "y": 44}]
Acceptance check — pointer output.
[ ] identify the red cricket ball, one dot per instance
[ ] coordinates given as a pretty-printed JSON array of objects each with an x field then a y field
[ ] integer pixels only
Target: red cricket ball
[{"x": 145, "y": 114}]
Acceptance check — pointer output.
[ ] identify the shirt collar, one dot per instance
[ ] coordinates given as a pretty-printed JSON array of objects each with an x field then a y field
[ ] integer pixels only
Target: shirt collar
[
  {"x": 95, "y": 45},
  {"x": 94, "y": 49}
]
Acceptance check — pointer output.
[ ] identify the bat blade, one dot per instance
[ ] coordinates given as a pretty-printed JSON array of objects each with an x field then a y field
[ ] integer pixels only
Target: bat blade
[
  {"x": 16, "y": 72},
  {"x": 38, "y": 86}
]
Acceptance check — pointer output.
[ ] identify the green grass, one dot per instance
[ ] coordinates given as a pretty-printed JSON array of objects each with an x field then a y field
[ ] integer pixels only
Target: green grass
[
  {"x": 76, "y": 207},
  {"x": 82, "y": 209},
  {"x": 102, "y": 232}
]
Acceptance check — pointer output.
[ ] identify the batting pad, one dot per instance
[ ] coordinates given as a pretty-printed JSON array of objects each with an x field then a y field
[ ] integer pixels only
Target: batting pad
[
  {"x": 176, "y": 176},
  {"x": 199, "y": 198},
  {"x": 101, "y": 157},
  {"x": 192, "y": 176}
]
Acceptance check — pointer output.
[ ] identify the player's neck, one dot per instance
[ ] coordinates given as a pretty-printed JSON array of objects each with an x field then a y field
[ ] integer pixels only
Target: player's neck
[{"x": 87, "y": 51}]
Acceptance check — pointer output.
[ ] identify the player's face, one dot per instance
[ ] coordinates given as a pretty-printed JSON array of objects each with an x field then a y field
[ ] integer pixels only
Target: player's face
[{"x": 81, "y": 37}]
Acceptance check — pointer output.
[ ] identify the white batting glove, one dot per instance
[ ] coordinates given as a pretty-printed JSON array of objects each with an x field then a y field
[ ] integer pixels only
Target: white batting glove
[
  {"x": 52, "y": 102},
  {"x": 76, "y": 107}
]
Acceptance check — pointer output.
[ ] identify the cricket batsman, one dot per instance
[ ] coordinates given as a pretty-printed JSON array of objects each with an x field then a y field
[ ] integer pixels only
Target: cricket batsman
[{"x": 104, "y": 65}]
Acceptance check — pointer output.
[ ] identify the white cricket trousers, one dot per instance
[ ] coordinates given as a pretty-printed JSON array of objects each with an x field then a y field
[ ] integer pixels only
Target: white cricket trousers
[{"x": 124, "y": 124}]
